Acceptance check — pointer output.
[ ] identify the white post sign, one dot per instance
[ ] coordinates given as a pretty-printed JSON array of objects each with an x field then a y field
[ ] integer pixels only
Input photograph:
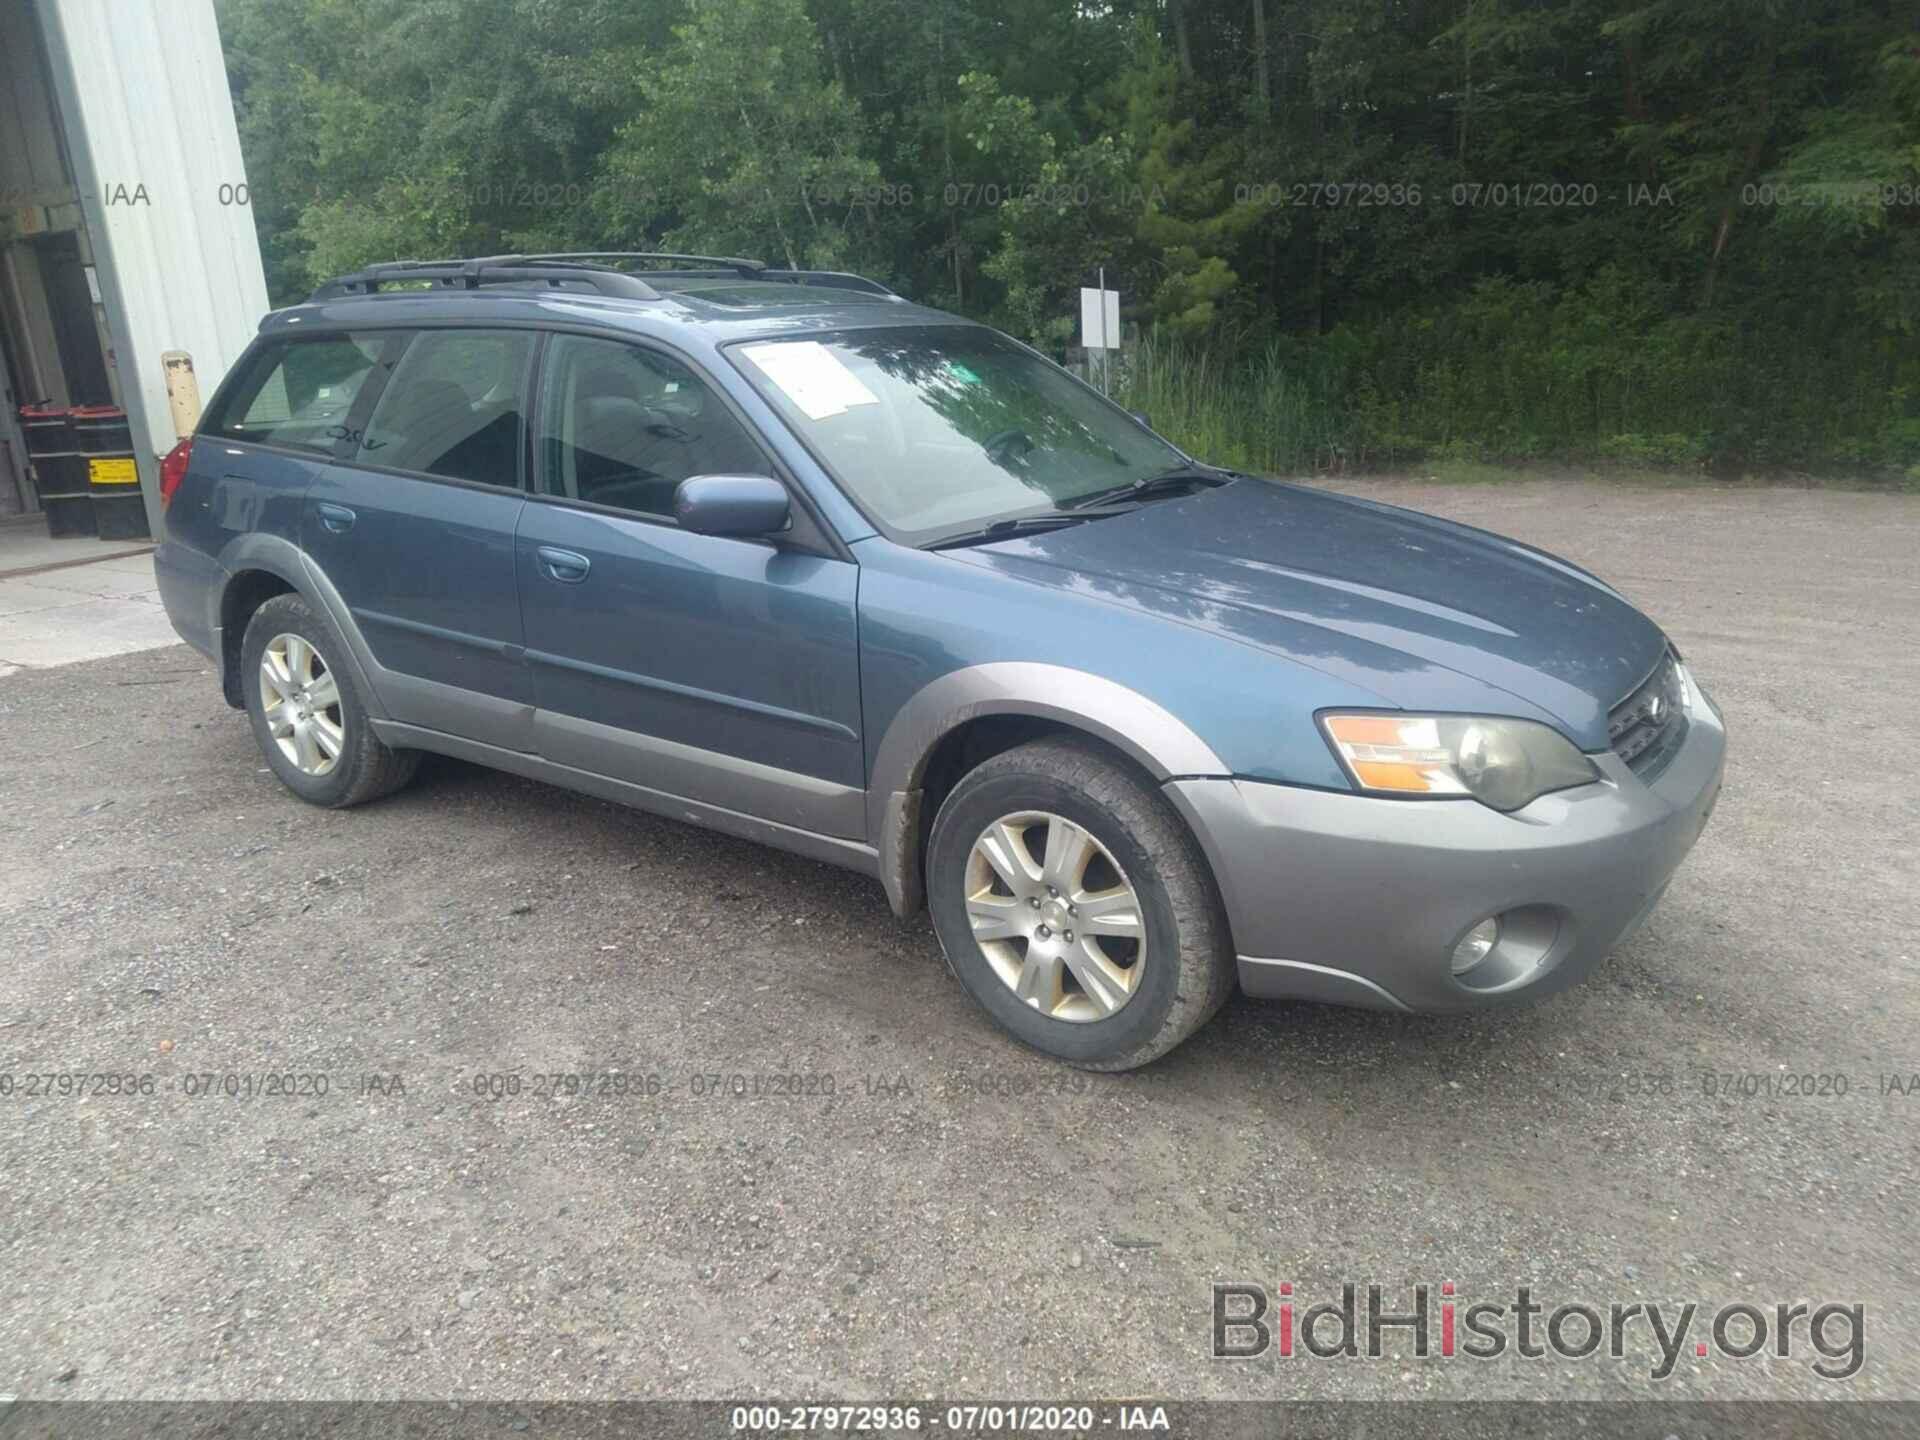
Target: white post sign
[
  {"x": 1100, "y": 324},
  {"x": 1100, "y": 319}
]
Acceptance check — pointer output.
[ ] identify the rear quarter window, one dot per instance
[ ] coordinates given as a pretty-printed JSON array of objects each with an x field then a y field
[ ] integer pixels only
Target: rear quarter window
[{"x": 297, "y": 392}]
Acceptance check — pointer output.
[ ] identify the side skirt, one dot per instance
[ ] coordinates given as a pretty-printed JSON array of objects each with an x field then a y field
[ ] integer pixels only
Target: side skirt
[{"x": 850, "y": 854}]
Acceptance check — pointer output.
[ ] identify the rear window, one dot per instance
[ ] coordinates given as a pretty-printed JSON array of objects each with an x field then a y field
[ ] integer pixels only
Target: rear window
[
  {"x": 298, "y": 392},
  {"x": 454, "y": 407}
]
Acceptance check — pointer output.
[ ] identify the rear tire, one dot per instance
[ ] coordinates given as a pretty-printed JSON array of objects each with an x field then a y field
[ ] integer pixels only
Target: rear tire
[
  {"x": 1075, "y": 907},
  {"x": 307, "y": 716}
]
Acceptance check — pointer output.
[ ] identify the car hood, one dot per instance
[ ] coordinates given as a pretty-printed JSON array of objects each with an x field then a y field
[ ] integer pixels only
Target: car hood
[{"x": 1420, "y": 612}]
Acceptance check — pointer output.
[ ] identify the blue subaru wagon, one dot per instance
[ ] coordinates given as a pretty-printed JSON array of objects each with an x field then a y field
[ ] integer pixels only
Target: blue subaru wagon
[{"x": 779, "y": 553}]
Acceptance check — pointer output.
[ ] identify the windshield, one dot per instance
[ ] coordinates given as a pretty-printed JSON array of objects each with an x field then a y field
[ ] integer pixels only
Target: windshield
[{"x": 940, "y": 429}]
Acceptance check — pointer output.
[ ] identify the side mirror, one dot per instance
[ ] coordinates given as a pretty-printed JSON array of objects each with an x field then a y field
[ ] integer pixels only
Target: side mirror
[
  {"x": 740, "y": 505},
  {"x": 1141, "y": 416}
]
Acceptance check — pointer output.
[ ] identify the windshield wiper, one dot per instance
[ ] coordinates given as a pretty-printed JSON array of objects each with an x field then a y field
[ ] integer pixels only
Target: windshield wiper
[
  {"x": 1008, "y": 529},
  {"x": 1167, "y": 482},
  {"x": 1117, "y": 500}
]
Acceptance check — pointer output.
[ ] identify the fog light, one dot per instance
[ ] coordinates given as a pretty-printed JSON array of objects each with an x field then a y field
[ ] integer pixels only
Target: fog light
[{"x": 1475, "y": 946}]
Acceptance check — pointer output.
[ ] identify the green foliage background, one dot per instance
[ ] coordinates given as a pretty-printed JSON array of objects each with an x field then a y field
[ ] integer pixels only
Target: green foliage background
[{"x": 1654, "y": 231}]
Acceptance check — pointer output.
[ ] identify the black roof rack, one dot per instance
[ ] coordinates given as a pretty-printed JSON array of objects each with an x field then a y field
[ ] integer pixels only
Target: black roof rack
[
  {"x": 725, "y": 262},
  {"x": 825, "y": 279},
  {"x": 830, "y": 279},
  {"x": 551, "y": 270},
  {"x": 572, "y": 269}
]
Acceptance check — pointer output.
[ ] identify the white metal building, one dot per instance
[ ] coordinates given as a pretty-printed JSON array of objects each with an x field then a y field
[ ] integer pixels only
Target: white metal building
[{"x": 125, "y": 225}]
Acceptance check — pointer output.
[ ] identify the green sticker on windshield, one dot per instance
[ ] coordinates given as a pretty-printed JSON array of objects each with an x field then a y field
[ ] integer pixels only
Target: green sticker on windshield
[{"x": 962, "y": 373}]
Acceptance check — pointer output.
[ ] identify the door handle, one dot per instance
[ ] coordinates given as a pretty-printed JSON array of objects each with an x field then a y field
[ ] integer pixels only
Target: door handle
[
  {"x": 567, "y": 566},
  {"x": 337, "y": 518}
]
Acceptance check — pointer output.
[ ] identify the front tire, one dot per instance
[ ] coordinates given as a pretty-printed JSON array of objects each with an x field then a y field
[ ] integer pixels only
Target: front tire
[
  {"x": 1075, "y": 907},
  {"x": 306, "y": 714}
]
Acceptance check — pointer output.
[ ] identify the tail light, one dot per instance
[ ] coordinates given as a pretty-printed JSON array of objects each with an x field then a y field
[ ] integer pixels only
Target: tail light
[{"x": 173, "y": 470}]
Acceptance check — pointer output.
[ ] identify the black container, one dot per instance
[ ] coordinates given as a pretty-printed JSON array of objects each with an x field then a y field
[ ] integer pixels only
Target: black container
[
  {"x": 101, "y": 430},
  {"x": 105, "y": 442},
  {"x": 119, "y": 509},
  {"x": 59, "y": 471},
  {"x": 48, "y": 430},
  {"x": 69, "y": 515}
]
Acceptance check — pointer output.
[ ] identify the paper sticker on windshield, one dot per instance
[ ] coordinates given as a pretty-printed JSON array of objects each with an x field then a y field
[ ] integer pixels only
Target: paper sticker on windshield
[
  {"x": 962, "y": 373},
  {"x": 811, "y": 376}
]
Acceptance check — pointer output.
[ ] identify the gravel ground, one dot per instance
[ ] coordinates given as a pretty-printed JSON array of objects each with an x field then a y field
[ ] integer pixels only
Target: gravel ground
[{"x": 958, "y": 1217}]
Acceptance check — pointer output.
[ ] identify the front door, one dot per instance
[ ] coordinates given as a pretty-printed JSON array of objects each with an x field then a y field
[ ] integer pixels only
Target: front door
[
  {"x": 415, "y": 527},
  {"x": 719, "y": 670}
]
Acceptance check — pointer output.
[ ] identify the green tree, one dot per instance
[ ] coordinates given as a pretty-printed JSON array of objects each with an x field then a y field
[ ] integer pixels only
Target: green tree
[
  {"x": 743, "y": 144},
  {"x": 1647, "y": 228},
  {"x": 386, "y": 129}
]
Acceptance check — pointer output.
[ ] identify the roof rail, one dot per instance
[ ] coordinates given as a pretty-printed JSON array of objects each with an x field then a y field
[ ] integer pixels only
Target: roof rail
[
  {"x": 831, "y": 279},
  {"x": 578, "y": 267},
  {"x": 470, "y": 274},
  {"x": 754, "y": 270},
  {"x": 725, "y": 262}
]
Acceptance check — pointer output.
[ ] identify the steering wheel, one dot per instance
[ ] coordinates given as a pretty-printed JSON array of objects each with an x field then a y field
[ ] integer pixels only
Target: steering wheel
[{"x": 994, "y": 445}]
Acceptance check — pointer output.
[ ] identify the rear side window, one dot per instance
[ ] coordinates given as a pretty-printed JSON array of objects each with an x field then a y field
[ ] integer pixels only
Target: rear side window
[
  {"x": 454, "y": 407},
  {"x": 298, "y": 392}
]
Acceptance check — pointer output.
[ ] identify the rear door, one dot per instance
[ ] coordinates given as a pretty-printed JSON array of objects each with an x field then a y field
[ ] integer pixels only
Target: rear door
[
  {"x": 267, "y": 433},
  {"x": 719, "y": 670},
  {"x": 415, "y": 530}
]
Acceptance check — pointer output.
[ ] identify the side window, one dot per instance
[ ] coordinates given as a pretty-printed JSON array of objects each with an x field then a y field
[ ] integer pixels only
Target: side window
[
  {"x": 298, "y": 392},
  {"x": 453, "y": 407},
  {"x": 621, "y": 425}
]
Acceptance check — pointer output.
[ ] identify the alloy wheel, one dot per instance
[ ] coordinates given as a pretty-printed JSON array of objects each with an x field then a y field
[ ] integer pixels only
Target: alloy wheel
[
  {"x": 301, "y": 702},
  {"x": 1055, "y": 916}
]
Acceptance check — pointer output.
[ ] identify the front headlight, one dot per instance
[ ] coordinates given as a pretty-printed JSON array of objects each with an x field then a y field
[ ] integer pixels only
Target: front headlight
[{"x": 1501, "y": 763}]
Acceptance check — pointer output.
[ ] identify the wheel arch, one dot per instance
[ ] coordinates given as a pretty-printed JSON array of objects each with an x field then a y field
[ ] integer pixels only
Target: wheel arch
[
  {"x": 245, "y": 592},
  {"x": 968, "y": 715},
  {"x": 260, "y": 566}
]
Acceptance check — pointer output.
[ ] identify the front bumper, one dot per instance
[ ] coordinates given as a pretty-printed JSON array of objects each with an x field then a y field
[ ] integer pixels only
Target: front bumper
[{"x": 1359, "y": 901}]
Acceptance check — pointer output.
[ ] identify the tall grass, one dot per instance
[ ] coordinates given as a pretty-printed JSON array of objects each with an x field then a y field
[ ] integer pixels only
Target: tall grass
[
  {"x": 1520, "y": 372},
  {"x": 1275, "y": 410}
]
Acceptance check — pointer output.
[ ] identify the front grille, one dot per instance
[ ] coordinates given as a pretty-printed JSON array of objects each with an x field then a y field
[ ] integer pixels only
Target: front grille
[{"x": 1647, "y": 727}]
